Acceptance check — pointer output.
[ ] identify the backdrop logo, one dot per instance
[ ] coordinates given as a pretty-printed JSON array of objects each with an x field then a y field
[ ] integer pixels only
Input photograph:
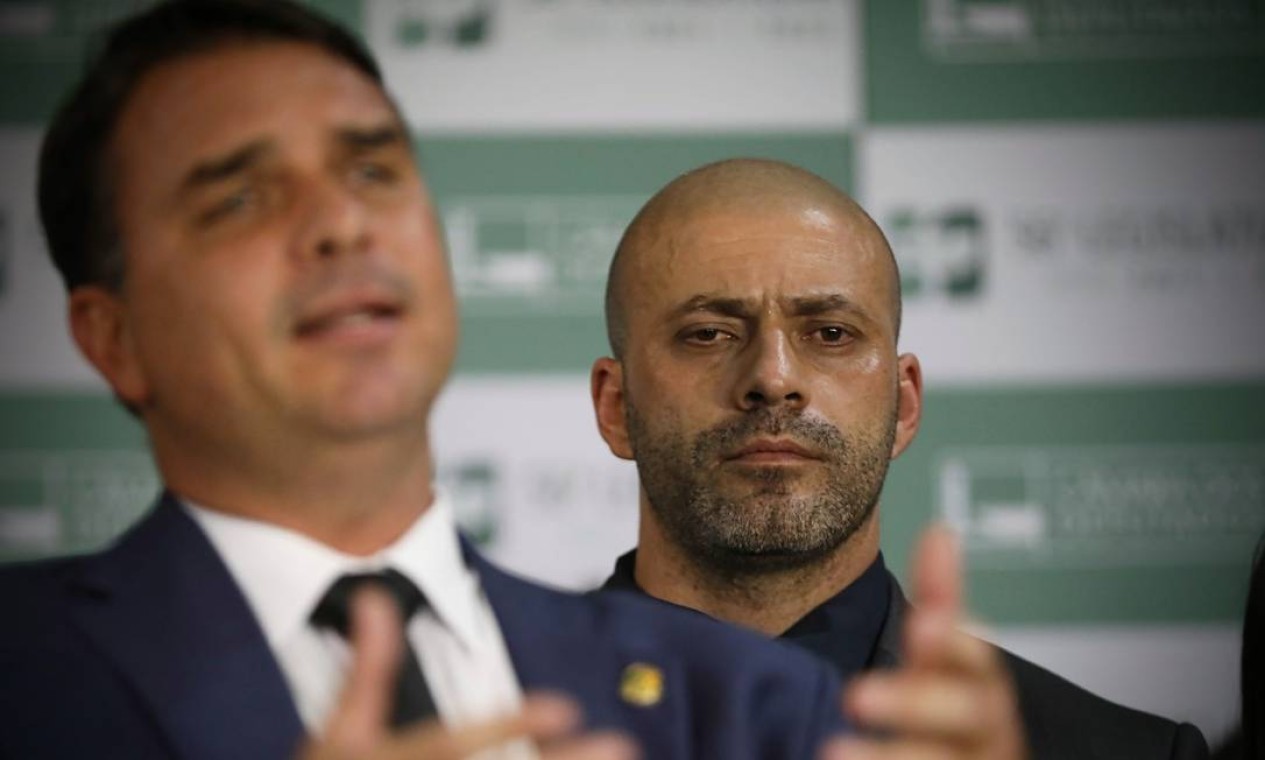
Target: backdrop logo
[
  {"x": 1103, "y": 505},
  {"x": 1199, "y": 250},
  {"x": 475, "y": 488},
  {"x": 537, "y": 254},
  {"x": 940, "y": 254},
  {"x": 461, "y": 24},
  {"x": 1091, "y": 28}
]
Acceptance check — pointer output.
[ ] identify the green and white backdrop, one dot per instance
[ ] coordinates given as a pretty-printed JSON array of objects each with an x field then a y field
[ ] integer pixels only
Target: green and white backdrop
[{"x": 1075, "y": 190}]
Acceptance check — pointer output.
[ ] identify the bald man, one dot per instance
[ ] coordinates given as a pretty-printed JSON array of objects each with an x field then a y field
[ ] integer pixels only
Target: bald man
[{"x": 753, "y": 312}]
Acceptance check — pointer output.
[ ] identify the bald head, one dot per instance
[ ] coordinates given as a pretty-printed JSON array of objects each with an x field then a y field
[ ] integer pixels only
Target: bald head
[{"x": 742, "y": 187}]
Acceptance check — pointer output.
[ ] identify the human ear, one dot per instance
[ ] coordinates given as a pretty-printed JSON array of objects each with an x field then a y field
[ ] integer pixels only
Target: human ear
[
  {"x": 606, "y": 384},
  {"x": 908, "y": 402},
  {"x": 100, "y": 327}
]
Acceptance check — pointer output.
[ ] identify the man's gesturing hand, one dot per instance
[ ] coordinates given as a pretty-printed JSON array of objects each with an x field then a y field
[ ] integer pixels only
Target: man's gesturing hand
[
  {"x": 952, "y": 697},
  {"x": 357, "y": 729}
]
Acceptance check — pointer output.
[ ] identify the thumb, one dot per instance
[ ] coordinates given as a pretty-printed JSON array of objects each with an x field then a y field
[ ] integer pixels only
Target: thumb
[
  {"x": 359, "y": 720},
  {"x": 937, "y": 573}
]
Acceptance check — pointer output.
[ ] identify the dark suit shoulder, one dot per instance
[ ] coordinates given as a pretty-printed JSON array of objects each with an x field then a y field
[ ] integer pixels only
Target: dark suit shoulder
[
  {"x": 716, "y": 692},
  {"x": 34, "y": 595},
  {"x": 1064, "y": 720},
  {"x": 59, "y": 696},
  {"x": 16, "y": 576},
  {"x": 634, "y": 621}
]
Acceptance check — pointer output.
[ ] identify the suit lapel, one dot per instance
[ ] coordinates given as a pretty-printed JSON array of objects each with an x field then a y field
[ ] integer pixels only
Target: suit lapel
[
  {"x": 544, "y": 639},
  {"x": 565, "y": 643},
  {"x": 163, "y": 607}
]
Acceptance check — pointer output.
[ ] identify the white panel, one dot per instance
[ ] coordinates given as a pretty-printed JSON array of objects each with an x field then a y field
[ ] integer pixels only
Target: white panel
[
  {"x": 1076, "y": 253},
  {"x": 523, "y": 457},
  {"x": 35, "y": 345},
  {"x": 566, "y": 65}
]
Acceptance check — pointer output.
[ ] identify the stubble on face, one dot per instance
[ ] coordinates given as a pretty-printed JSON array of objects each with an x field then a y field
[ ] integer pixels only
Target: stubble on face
[{"x": 737, "y": 521}]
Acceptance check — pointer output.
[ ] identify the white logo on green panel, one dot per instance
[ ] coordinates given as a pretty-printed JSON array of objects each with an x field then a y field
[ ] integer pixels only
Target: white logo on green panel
[
  {"x": 534, "y": 254},
  {"x": 69, "y": 501},
  {"x": 940, "y": 253},
  {"x": 1027, "y": 30},
  {"x": 1096, "y": 505}
]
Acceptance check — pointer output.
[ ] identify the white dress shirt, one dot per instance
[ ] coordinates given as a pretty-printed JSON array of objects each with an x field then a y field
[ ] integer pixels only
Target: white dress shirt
[{"x": 284, "y": 574}]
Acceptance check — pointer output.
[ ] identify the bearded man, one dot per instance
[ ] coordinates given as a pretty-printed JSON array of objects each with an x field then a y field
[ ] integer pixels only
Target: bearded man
[{"x": 753, "y": 311}]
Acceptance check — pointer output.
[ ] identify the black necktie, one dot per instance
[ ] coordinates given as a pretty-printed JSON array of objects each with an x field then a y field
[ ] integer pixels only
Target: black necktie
[{"x": 413, "y": 701}]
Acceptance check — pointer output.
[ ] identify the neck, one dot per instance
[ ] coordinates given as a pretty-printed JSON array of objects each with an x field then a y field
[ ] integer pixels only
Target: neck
[
  {"x": 768, "y": 601},
  {"x": 356, "y": 497}
]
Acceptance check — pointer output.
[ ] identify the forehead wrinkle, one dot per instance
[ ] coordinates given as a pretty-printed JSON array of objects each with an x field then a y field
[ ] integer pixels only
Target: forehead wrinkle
[
  {"x": 822, "y": 302},
  {"x": 749, "y": 192},
  {"x": 734, "y": 273}
]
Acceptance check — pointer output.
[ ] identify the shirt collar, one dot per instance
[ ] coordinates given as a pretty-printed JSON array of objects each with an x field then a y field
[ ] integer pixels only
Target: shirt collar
[
  {"x": 283, "y": 574},
  {"x": 845, "y": 629},
  {"x": 625, "y": 576}
]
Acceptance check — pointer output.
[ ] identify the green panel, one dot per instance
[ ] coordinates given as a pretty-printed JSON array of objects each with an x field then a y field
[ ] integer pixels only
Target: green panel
[
  {"x": 43, "y": 46},
  {"x": 546, "y": 344},
  {"x": 532, "y": 223},
  {"x": 938, "y": 60},
  {"x": 349, "y": 13},
  {"x": 74, "y": 473},
  {"x": 58, "y": 421},
  {"x": 618, "y": 164},
  {"x": 1163, "y": 559}
]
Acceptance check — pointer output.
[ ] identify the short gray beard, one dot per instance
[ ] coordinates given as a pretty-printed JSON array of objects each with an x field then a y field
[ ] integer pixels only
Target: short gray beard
[{"x": 769, "y": 530}]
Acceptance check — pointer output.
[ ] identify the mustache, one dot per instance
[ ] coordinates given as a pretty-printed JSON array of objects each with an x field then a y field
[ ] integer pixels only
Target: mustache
[{"x": 810, "y": 432}]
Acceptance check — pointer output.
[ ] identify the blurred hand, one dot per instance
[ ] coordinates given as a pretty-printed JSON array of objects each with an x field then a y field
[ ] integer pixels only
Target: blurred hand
[
  {"x": 358, "y": 730},
  {"x": 953, "y": 697}
]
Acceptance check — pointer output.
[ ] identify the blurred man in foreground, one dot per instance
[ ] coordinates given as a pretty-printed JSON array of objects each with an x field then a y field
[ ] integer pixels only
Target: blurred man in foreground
[
  {"x": 753, "y": 312},
  {"x": 254, "y": 266}
]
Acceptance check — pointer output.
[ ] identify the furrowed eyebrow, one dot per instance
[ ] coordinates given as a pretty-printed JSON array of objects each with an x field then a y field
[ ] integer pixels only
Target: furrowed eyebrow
[
  {"x": 727, "y": 307},
  {"x": 373, "y": 137},
  {"x": 811, "y": 306},
  {"x": 223, "y": 167}
]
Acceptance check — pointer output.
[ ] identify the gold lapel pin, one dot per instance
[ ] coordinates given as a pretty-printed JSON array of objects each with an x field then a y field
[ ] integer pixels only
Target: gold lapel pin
[{"x": 641, "y": 685}]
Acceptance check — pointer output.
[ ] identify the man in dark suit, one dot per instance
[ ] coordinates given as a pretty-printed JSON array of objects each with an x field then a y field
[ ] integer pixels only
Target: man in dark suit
[
  {"x": 254, "y": 267},
  {"x": 753, "y": 311}
]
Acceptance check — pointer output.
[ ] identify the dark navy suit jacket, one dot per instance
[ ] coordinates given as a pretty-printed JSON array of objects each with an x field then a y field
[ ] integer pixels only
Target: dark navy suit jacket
[{"x": 149, "y": 650}]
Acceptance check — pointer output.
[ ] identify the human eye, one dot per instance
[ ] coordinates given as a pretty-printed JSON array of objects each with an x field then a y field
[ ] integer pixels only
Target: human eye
[
  {"x": 229, "y": 204},
  {"x": 375, "y": 172},
  {"x": 832, "y": 335},
  {"x": 706, "y": 335}
]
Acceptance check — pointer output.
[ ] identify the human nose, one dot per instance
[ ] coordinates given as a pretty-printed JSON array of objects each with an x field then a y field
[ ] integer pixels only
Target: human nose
[
  {"x": 334, "y": 221},
  {"x": 771, "y": 375}
]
